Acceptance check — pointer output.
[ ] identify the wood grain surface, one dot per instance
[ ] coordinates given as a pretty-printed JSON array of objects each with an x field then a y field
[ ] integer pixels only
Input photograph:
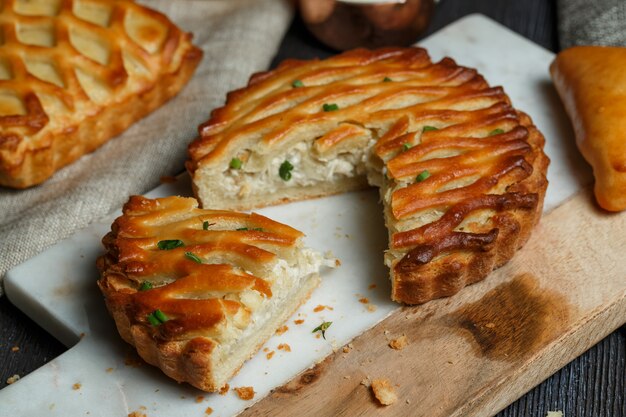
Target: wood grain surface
[
  {"x": 592, "y": 385},
  {"x": 473, "y": 354}
]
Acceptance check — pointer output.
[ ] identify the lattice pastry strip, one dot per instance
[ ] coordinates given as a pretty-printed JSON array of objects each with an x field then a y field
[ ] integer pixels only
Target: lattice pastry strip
[{"x": 75, "y": 73}]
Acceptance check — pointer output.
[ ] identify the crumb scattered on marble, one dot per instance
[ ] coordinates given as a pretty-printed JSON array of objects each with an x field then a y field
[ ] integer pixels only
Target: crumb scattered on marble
[
  {"x": 371, "y": 287},
  {"x": 364, "y": 300},
  {"x": 208, "y": 411},
  {"x": 245, "y": 393},
  {"x": 399, "y": 343},
  {"x": 282, "y": 330},
  {"x": 269, "y": 355},
  {"x": 13, "y": 379},
  {"x": 199, "y": 398},
  {"x": 298, "y": 322},
  {"x": 137, "y": 414},
  {"x": 317, "y": 335},
  {"x": 109, "y": 370},
  {"x": 371, "y": 308},
  {"x": 285, "y": 347},
  {"x": 384, "y": 391},
  {"x": 266, "y": 349},
  {"x": 76, "y": 386}
]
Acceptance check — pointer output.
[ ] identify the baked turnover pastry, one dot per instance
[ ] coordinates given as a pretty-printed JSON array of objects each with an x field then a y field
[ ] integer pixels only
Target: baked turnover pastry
[
  {"x": 461, "y": 172},
  {"x": 75, "y": 73},
  {"x": 197, "y": 292},
  {"x": 592, "y": 84}
]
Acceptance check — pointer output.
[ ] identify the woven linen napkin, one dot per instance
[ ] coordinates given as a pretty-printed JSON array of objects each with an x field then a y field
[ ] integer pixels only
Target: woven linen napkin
[
  {"x": 239, "y": 37},
  {"x": 592, "y": 22}
]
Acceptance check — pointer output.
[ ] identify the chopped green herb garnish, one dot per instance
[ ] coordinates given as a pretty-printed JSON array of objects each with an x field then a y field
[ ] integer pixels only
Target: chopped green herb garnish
[
  {"x": 429, "y": 128},
  {"x": 160, "y": 316},
  {"x": 322, "y": 328},
  {"x": 387, "y": 79},
  {"x": 297, "y": 84},
  {"x": 205, "y": 225},
  {"x": 157, "y": 317},
  {"x": 145, "y": 286},
  {"x": 422, "y": 176},
  {"x": 153, "y": 320},
  {"x": 496, "y": 132},
  {"x": 330, "y": 107},
  {"x": 235, "y": 163},
  {"x": 193, "y": 257},
  {"x": 406, "y": 146},
  {"x": 285, "y": 170},
  {"x": 240, "y": 229},
  {"x": 170, "y": 244}
]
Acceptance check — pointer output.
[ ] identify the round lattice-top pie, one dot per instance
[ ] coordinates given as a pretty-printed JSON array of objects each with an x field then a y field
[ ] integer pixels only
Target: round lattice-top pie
[{"x": 461, "y": 172}]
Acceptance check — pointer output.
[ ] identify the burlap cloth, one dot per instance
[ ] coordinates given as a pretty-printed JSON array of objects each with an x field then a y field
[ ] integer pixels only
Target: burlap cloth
[
  {"x": 239, "y": 37},
  {"x": 592, "y": 22}
]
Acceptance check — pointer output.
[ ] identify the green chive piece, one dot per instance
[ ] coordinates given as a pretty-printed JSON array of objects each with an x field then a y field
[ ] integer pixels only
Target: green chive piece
[
  {"x": 330, "y": 107},
  {"x": 297, "y": 84},
  {"x": 205, "y": 225},
  {"x": 496, "y": 132},
  {"x": 170, "y": 244},
  {"x": 145, "y": 286},
  {"x": 193, "y": 257},
  {"x": 153, "y": 320},
  {"x": 240, "y": 229},
  {"x": 285, "y": 170},
  {"x": 429, "y": 128},
  {"x": 160, "y": 316},
  {"x": 406, "y": 146},
  {"x": 235, "y": 163},
  {"x": 322, "y": 328},
  {"x": 422, "y": 176},
  {"x": 387, "y": 80}
]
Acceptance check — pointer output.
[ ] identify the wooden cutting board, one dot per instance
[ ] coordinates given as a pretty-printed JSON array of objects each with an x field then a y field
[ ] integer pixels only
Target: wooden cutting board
[{"x": 473, "y": 355}]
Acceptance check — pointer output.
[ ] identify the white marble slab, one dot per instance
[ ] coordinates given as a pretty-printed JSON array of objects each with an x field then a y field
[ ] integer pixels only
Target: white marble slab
[{"x": 57, "y": 288}]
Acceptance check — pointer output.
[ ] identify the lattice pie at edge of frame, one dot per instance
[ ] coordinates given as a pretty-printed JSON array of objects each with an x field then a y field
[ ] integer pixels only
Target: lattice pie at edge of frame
[{"x": 75, "y": 73}]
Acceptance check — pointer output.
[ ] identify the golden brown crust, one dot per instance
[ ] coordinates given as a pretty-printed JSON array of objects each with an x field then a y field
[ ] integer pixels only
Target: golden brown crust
[
  {"x": 464, "y": 172},
  {"x": 204, "y": 301},
  {"x": 86, "y": 79},
  {"x": 592, "y": 84}
]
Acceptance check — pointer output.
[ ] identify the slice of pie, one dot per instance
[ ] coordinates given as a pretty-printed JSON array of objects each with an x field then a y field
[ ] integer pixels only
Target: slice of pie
[
  {"x": 591, "y": 81},
  {"x": 461, "y": 172},
  {"x": 73, "y": 74},
  {"x": 197, "y": 292}
]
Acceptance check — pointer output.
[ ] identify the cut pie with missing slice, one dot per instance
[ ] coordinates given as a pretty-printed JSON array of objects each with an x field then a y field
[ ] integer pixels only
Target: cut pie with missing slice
[
  {"x": 461, "y": 172},
  {"x": 197, "y": 292}
]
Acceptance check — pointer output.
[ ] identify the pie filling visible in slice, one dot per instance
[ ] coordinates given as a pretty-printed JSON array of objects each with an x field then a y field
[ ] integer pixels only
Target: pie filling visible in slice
[
  {"x": 198, "y": 292},
  {"x": 461, "y": 172}
]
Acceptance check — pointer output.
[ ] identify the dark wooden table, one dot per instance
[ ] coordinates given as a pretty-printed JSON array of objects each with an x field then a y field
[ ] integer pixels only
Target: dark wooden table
[{"x": 593, "y": 385}]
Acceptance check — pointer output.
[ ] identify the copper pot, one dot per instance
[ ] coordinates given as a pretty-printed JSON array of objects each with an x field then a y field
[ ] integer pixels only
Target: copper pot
[{"x": 347, "y": 24}]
